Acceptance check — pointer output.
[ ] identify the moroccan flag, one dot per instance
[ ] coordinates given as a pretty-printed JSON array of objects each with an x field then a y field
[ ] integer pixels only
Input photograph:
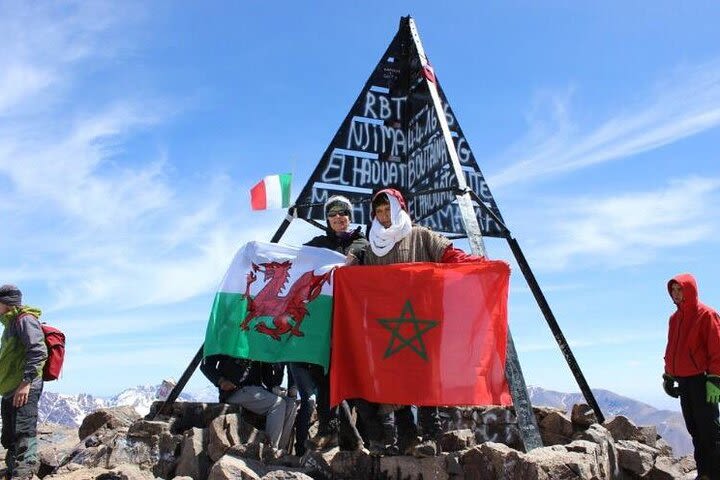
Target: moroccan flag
[
  {"x": 272, "y": 191},
  {"x": 274, "y": 305},
  {"x": 421, "y": 334}
]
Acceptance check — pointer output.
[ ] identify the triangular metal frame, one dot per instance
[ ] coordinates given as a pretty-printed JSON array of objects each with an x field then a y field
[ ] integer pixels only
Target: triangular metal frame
[{"x": 401, "y": 132}]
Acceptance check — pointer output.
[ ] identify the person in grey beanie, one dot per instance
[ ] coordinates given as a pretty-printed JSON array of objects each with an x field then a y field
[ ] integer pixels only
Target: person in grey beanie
[
  {"x": 311, "y": 379},
  {"x": 22, "y": 356}
]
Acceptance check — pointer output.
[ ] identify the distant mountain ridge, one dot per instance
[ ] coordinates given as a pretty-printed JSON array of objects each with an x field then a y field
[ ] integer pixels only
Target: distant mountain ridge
[
  {"x": 670, "y": 424},
  {"x": 71, "y": 409}
]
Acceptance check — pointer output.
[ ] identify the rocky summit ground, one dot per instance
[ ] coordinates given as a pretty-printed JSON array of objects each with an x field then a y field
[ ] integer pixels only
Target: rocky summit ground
[{"x": 216, "y": 442}]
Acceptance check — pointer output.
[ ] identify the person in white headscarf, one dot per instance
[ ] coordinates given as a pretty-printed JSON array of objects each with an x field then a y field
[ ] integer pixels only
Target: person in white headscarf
[{"x": 394, "y": 239}]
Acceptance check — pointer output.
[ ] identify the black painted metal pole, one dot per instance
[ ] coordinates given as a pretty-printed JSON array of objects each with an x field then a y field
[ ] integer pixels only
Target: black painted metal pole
[
  {"x": 554, "y": 327},
  {"x": 180, "y": 385},
  {"x": 545, "y": 309},
  {"x": 178, "y": 388},
  {"x": 291, "y": 215}
]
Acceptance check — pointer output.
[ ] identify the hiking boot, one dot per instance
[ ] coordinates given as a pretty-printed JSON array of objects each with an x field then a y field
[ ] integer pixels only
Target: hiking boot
[
  {"x": 392, "y": 451},
  {"x": 351, "y": 446},
  {"x": 408, "y": 446},
  {"x": 376, "y": 449},
  {"x": 428, "y": 448},
  {"x": 271, "y": 454},
  {"x": 322, "y": 442}
]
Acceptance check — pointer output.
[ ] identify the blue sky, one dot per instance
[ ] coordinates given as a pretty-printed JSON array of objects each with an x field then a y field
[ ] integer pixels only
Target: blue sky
[{"x": 131, "y": 132}]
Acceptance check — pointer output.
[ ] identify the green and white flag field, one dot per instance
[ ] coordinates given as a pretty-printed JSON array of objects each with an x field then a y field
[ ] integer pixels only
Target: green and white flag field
[{"x": 275, "y": 305}]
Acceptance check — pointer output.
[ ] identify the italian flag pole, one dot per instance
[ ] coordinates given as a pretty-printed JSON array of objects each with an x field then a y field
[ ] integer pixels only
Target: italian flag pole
[{"x": 272, "y": 191}]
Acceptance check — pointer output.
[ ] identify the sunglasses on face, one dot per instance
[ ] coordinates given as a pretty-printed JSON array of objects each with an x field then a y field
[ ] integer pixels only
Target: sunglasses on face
[{"x": 344, "y": 213}]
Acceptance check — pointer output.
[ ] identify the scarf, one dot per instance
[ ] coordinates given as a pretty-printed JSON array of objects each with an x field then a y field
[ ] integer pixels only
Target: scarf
[
  {"x": 15, "y": 312},
  {"x": 382, "y": 239}
]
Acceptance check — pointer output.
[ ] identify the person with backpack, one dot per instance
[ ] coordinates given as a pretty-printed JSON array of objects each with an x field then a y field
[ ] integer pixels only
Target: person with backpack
[{"x": 22, "y": 356}]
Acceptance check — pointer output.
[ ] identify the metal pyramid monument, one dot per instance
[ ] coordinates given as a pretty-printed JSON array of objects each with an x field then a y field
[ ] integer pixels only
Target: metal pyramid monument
[
  {"x": 393, "y": 136},
  {"x": 401, "y": 132}
]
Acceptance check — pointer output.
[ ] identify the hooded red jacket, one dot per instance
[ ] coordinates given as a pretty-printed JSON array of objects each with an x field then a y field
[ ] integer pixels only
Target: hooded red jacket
[{"x": 693, "y": 346}]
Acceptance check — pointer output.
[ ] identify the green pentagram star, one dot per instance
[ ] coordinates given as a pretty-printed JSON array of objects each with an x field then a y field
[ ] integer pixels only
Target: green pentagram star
[{"x": 414, "y": 342}]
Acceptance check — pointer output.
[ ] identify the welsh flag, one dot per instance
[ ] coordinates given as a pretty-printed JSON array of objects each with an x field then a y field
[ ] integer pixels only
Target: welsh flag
[
  {"x": 421, "y": 334},
  {"x": 274, "y": 305}
]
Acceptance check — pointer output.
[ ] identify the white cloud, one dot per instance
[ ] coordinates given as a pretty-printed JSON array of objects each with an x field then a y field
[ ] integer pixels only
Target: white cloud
[
  {"x": 684, "y": 105},
  {"x": 629, "y": 228},
  {"x": 91, "y": 220}
]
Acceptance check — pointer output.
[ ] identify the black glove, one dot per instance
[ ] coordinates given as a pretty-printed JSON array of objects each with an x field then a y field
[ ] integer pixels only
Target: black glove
[{"x": 670, "y": 385}]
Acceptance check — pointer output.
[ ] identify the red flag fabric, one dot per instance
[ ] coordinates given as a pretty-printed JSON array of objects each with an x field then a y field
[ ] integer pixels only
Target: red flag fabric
[
  {"x": 421, "y": 334},
  {"x": 429, "y": 72}
]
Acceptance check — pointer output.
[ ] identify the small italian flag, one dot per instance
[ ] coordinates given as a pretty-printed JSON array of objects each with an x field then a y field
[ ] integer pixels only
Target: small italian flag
[{"x": 272, "y": 191}]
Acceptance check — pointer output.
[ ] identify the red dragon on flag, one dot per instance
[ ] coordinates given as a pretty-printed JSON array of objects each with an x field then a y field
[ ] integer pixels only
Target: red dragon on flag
[{"x": 270, "y": 303}]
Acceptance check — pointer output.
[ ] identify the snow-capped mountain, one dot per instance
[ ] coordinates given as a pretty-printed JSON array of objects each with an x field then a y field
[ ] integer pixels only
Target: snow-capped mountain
[
  {"x": 71, "y": 409},
  {"x": 67, "y": 409}
]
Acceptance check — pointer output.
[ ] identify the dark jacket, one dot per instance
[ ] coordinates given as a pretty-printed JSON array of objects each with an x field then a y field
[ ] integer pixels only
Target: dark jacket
[
  {"x": 344, "y": 243},
  {"x": 240, "y": 371},
  {"x": 693, "y": 346}
]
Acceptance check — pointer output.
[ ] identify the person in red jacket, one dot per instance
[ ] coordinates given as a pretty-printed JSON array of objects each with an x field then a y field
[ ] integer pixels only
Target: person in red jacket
[{"x": 692, "y": 371}]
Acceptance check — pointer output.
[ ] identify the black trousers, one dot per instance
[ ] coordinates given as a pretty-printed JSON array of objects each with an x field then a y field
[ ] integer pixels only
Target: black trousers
[
  {"x": 19, "y": 435},
  {"x": 701, "y": 420},
  {"x": 428, "y": 419}
]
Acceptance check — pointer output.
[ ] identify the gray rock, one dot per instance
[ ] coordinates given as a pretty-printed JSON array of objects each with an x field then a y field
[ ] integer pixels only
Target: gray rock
[
  {"x": 686, "y": 464},
  {"x": 286, "y": 475},
  {"x": 600, "y": 435},
  {"x": 485, "y": 461},
  {"x": 663, "y": 447},
  {"x": 318, "y": 464},
  {"x": 121, "y": 472},
  {"x": 168, "y": 451},
  {"x": 635, "y": 457},
  {"x": 452, "y": 464},
  {"x": 583, "y": 415},
  {"x": 108, "y": 418},
  {"x": 497, "y": 424},
  {"x": 621, "y": 428},
  {"x": 55, "y": 443},
  {"x": 194, "y": 461},
  {"x": 649, "y": 435},
  {"x": 664, "y": 469},
  {"x": 253, "y": 450},
  {"x": 403, "y": 467},
  {"x": 556, "y": 429},
  {"x": 223, "y": 433},
  {"x": 185, "y": 415},
  {"x": 339, "y": 464},
  {"x": 456, "y": 440},
  {"x": 142, "y": 452},
  {"x": 148, "y": 428},
  {"x": 233, "y": 468}
]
